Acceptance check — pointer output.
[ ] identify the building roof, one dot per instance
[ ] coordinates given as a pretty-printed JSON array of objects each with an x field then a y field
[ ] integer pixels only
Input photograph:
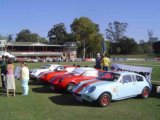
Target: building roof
[
  {"x": 37, "y": 44},
  {"x": 29, "y": 44}
]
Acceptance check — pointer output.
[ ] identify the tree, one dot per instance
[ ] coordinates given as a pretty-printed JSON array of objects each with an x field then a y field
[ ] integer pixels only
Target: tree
[
  {"x": 86, "y": 33},
  {"x": 57, "y": 34},
  {"x": 43, "y": 40},
  {"x": 127, "y": 45},
  {"x": 27, "y": 36},
  {"x": 9, "y": 37},
  {"x": 95, "y": 46},
  {"x": 24, "y": 36},
  {"x": 118, "y": 50},
  {"x": 115, "y": 31},
  {"x": 146, "y": 47},
  {"x": 156, "y": 47}
]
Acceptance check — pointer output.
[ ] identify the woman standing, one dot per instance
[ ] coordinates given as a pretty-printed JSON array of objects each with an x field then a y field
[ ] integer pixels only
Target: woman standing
[
  {"x": 24, "y": 76},
  {"x": 10, "y": 83}
]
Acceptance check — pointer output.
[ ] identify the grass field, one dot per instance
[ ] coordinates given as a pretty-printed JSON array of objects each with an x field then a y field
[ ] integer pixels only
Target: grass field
[{"x": 44, "y": 104}]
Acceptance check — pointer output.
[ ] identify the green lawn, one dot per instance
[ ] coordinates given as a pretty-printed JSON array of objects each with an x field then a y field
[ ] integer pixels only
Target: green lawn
[{"x": 44, "y": 104}]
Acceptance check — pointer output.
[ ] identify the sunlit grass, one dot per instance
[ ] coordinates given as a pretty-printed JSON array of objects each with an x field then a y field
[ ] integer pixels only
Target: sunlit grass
[{"x": 44, "y": 104}]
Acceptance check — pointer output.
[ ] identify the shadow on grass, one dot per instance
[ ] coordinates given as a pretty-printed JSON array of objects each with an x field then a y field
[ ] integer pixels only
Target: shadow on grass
[
  {"x": 3, "y": 93},
  {"x": 35, "y": 82},
  {"x": 69, "y": 100},
  {"x": 42, "y": 89},
  {"x": 47, "y": 89}
]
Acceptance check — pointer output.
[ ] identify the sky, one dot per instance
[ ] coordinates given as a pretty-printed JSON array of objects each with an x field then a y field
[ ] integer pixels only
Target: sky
[{"x": 39, "y": 16}]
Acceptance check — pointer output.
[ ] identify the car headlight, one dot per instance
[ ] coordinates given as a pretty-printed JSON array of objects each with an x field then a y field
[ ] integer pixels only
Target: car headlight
[{"x": 91, "y": 89}]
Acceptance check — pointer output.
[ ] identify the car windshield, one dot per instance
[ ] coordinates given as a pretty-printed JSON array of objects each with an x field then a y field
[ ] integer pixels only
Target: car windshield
[
  {"x": 45, "y": 66},
  {"x": 77, "y": 71},
  {"x": 108, "y": 76},
  {"x": 59, "y": 68}
]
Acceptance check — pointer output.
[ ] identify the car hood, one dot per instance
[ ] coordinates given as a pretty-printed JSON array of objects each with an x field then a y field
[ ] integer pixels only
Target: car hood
[
  {"x": 93, "y": 82},
  {"x": 102, "y": 83},
  {"x": 67, "y": 75}
]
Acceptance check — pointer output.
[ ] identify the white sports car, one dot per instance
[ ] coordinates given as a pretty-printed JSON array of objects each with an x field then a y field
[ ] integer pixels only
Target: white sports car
[
  {"x": 35, "y": 72},
  {"x": 113, "y": 86}
]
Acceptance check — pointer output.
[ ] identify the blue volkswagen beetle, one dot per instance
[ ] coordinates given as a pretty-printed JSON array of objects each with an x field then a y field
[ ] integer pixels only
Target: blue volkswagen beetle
[{"x": 113, "y": 86}]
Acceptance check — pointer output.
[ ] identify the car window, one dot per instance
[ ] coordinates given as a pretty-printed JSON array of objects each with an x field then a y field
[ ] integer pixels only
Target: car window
[
  {"x": 70, "y": 69},
  {"x": 139, "y": 78},
  {"x": 108, "y": 76},
  {"x": 101, "y": 74},
  {"x": 78, "y": 71},
  {"x": 127, "y": 78}
]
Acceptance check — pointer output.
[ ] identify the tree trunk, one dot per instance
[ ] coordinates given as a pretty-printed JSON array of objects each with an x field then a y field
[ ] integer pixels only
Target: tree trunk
[
  {"x": 84, "y": 50},
  {"x": 84, "y": 53}
]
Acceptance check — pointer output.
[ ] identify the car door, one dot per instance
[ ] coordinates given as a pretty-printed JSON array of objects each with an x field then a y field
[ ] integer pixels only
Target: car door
[
  {"x": 127, "y": 86},
  {"x": 140, "y": 83}
]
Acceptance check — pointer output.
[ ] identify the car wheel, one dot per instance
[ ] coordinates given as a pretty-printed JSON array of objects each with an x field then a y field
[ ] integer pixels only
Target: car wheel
[
  {"x": 70, "y": 87},
  {"x": 104, "y": 100},
  {"x": 145, "y": 93}
]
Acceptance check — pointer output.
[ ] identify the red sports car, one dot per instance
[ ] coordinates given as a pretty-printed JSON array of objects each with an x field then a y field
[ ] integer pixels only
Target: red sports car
[
  {"x": 68, "y": 81},
  {"x": 60, "y": 70}
]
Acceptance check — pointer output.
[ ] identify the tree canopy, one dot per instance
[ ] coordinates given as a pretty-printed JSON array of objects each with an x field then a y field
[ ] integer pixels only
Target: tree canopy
[
  {"x": 127, "y": 45},
  {"x": 26, "y": 35},
  {"x": 115, "y": 31},
  {"x": 86, "y": 33},
  {"x": 57, "y": 34}
]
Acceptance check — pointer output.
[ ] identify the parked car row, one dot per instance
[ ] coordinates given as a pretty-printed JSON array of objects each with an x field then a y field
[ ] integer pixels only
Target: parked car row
[{"x": 93, "y": 85}]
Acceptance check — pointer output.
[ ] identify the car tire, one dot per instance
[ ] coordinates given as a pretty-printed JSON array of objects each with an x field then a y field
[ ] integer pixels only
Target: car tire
[
  {"x": 70, "y": 87},
  {"x": 145, "y": 93},
  {"x": 104, "y": 100}
]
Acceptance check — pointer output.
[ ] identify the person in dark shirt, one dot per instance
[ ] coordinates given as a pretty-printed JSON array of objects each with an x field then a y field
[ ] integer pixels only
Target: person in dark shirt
[
  {"x": 98, "y": 61},
  {"x": 3, "y": 65}
]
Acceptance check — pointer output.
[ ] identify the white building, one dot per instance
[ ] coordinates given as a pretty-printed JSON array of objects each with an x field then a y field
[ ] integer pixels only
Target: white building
[{"x": 3, "y": 45}]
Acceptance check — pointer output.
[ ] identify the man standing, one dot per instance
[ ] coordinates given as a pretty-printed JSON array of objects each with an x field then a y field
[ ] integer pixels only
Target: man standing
[
  {"x": 3, "y": 65},
  {"x": 105, "y": 63},
  {"x": 24, "y": 76},
  {"x": 98, "y": 61}
]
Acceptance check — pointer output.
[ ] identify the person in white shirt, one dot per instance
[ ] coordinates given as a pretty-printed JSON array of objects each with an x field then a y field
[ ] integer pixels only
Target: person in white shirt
[{"x": 24, "y": 77}]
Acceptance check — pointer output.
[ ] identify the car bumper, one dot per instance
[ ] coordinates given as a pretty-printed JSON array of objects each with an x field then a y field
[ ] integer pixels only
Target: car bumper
[
  {"x": 32, "y": 76},
  {"x": 83, "y": 97}
]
